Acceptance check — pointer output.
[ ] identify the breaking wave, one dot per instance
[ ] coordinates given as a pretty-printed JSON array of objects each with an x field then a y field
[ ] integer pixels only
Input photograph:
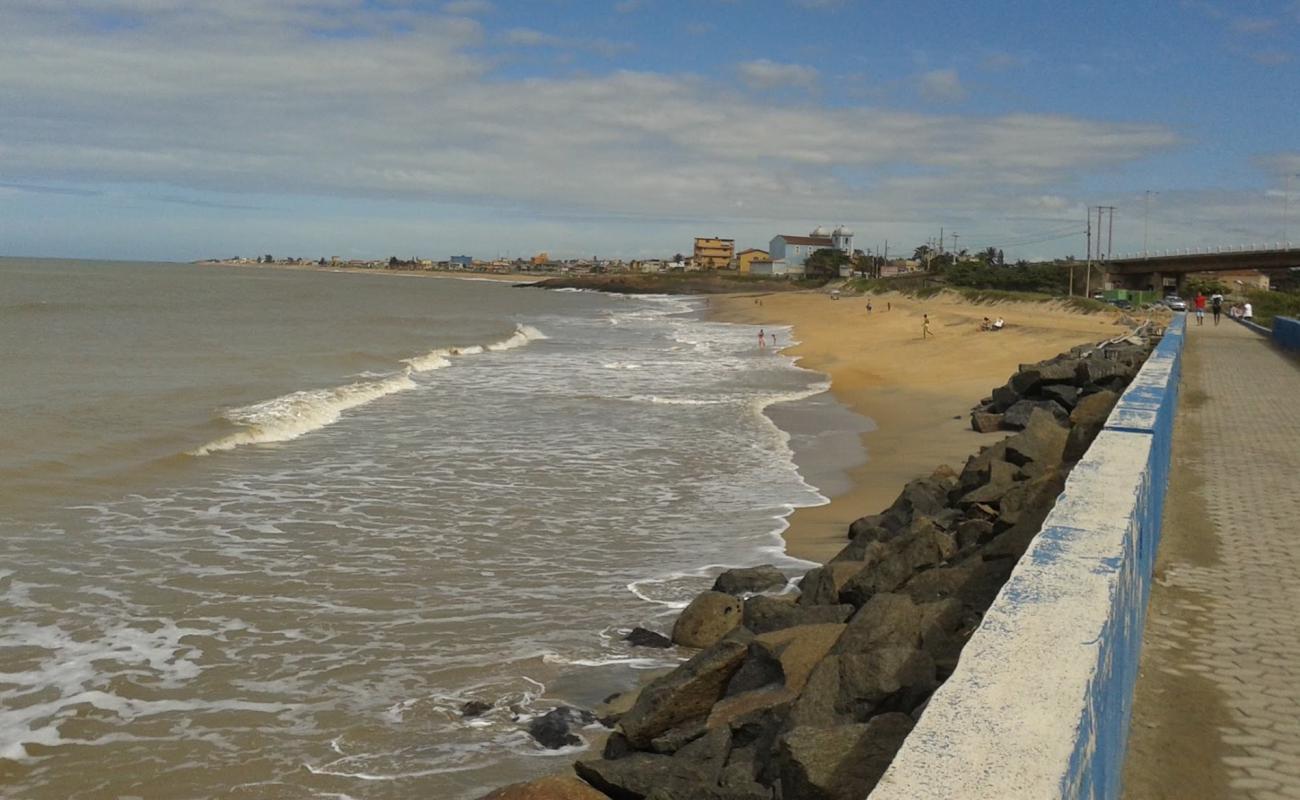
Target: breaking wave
[{"x": 289, "y": 416}]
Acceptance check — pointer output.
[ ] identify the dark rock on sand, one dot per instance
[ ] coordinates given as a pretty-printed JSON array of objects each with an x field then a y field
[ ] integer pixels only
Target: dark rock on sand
[
  {"x": 1042, "y": 441},
  {"x": 475, "y": 708},
  {"x": 707, "y": 619},
  {"x": 750, "y": 580},
  {"x": 822, "y": 585},
  {"x": 643, "y": 637},
  {"x": 1088, "y": 418},
  {"x": 1017, "y": 416}
]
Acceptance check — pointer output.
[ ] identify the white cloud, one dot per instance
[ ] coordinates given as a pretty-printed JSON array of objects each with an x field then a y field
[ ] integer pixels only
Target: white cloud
[
  {"x": 766, "y": 74},
  {"x": 942, "y": 86},
  {"x": 259, "y": 96},
  {"x": 530, "y": 37}
]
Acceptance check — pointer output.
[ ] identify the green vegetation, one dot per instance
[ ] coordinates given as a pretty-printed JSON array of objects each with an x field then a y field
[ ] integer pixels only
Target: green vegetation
[
  {"x": 923, "y": 286},
  {"x": 1267, "y": 305}
]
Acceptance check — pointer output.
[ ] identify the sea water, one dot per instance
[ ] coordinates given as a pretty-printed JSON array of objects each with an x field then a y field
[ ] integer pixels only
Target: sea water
[{"x": 264, "y": 533}]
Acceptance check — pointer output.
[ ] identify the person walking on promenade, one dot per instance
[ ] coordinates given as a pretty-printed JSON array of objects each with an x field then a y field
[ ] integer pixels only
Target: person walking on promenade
[
  {"x": 925, "y": 327},
  {"x": 1216, "y": 305},
  {"x": 1200, "y": 308}
]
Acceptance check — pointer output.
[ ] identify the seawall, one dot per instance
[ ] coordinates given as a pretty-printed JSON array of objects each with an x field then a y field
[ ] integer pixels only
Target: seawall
[
  {"x": 1039, "y": 704},
  {"x": 1286, "y": 333}
]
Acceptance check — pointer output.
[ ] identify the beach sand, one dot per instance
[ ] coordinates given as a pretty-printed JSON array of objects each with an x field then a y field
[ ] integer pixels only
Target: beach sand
[{"x": 918, "y": 393}]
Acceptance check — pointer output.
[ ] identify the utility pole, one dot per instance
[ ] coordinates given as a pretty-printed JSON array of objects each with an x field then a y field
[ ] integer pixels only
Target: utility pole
[
  {"x": 955, "y": 251},
  {"x": 1146, "y": 213},
  {"x": 1286, "y": 211},
  {"x": 940, "y": 240}
]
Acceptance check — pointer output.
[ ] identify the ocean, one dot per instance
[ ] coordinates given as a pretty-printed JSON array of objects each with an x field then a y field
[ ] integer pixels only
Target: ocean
[{"x": 264, "y": 532}]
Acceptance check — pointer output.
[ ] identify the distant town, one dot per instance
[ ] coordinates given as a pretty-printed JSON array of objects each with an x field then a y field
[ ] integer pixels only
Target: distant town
[{"x": 821, "y": 252}]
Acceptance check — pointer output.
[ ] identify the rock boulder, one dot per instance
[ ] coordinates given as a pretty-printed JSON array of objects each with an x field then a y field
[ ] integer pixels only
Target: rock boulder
[
  {"x": 687, "y": 693},
  {"x": 750, "y": 580},
  {"x": 840, "y": 763},
  {"x": 709, "y": 617}
]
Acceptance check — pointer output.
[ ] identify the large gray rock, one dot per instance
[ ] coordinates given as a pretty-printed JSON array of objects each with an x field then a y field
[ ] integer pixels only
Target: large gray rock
[
  {"x": 750, "y": 580},
  {"x": 687, "y": 693},
  {"x": 887, "y": 678},
  {"x": 763, "y": 614},
  {"x": 976, "y": 471},
  {"x": 985, "y": 421},
  {"x": 973, "y": 532},
  {"x": 639, "y": 775},
  {"x": 862, "y": 548},
  {"x": 786, "y": 657},
  {"x": 709, "y": 617},
  {"x": 884, "y": 575},
  {"x": 1106, "y": 372},
  {"x": 841, "y": 763},
  {"x": 1004, "y": 397},
  {"x": 1042, "y": 441},
  {"x": 821, "y": 586},
  {"x": 1087, "y": 418},
  {"x": 1017, "y": 417},
  {"x": 552, "y": 787},
  {"x": 885, "y": 620},
  {"x": 1063, "y": 393},
  {"x": 1001, "y": 477},
  {"x": 866, "y": 529}
]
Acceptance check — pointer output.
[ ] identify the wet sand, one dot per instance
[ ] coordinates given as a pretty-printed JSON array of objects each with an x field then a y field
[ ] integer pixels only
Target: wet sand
[{"x": 917, "y": 392}]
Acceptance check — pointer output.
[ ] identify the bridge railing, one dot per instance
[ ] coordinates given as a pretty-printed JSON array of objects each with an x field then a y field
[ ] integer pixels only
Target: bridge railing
[{"x": 1217, "y": 250}]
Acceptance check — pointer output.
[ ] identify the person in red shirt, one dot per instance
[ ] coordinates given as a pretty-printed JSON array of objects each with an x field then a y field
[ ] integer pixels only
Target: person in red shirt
[{"x": 1200, "y": 308}]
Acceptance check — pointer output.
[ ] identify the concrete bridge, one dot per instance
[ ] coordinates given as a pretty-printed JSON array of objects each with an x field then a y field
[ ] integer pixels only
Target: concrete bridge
[{"x": 1150, "y": 270}]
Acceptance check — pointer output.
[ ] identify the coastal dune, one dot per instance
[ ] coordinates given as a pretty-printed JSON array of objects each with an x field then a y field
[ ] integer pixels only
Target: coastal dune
[{"x": 917, "y": 392}]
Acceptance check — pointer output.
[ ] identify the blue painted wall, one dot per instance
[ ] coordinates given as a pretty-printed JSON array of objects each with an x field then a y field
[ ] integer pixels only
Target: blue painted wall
[
  {"x": 1286, "y": 332},
  {"x": 1040, "y": 702}
]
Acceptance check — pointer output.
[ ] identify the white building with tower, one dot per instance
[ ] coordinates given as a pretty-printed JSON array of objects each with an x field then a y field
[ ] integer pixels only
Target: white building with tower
[{"x": 793, "y": 251}]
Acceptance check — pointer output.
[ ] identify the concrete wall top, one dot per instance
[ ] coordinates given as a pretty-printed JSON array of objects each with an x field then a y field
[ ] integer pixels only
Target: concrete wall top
[
  {"x": 1007, "y": 722},
  {"x": 1038, "y": 704}
]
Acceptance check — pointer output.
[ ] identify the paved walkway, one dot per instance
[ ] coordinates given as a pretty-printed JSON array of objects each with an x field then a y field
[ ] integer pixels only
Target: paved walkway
[{"x": 1217, "y": 713}]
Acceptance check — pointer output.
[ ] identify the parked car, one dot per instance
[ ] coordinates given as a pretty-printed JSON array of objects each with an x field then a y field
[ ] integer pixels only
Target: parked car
[
  {"x": 1121, "y": 304},
  {"x": 1176, "y": 303}
]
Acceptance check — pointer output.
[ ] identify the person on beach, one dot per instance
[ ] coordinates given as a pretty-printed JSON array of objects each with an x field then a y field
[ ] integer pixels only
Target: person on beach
[
  {"x": 925, "y": 327},
  {"x": 762, "y": 339},
  {"x": 868, "y": 306},
  {"x": 986, "y": 325},
  {"x": 1200, "y": 308},
  {"x": 774, "y": 340},
  {"x": 1247, "y": 312},
  {"x": 1216, "y": 305}
]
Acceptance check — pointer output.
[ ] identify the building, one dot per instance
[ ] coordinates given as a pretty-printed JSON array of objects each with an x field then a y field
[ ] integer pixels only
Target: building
[
  {"x": 541, "y": 258},
  {"x": 779, "y": 269},
  {"x": 461, "y": 262},
  {"x": 794, "y": 250},
  {"x": 714, "y": 253},
  {"x": 747, "y": 257}
]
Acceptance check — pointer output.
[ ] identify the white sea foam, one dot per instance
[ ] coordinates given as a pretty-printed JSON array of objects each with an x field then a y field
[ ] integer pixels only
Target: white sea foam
[
  {"x": 289, "y": 416},
  {"x": 523, "y": 335}
]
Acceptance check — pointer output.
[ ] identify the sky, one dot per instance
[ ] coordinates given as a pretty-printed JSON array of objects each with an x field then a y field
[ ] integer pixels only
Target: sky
[{"x": 188, "y": 129}]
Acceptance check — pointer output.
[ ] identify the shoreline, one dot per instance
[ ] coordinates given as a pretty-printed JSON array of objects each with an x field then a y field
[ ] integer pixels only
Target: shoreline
[
  {"x": 511, "y": 277},
  {"x": 917, "y": 393}
]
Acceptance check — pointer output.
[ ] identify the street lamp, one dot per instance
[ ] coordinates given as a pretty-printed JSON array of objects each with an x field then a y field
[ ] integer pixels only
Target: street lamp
[{"x": 1146, "y": 213}]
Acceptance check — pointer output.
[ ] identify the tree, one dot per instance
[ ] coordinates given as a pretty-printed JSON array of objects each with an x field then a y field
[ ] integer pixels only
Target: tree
[
  {"x": 923, "y": 252},
  {"x": 825, "y": 264},
  {"x": 266, "y": 259}
]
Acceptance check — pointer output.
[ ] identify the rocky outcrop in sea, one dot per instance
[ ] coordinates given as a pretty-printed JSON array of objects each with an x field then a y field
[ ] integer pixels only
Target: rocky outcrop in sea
[{"x": 809, "y": 695}]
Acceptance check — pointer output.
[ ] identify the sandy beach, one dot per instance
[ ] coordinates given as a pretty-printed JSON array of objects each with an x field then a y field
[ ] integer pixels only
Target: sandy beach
[{"x": 918, "y": 392}]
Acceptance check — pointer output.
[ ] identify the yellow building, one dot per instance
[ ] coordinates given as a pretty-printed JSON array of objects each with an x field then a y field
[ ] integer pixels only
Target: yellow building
[
  {"x": 714, "y": 253},
  {"x": 541, "y": 258},
  {"x": 748, "y": 257}
]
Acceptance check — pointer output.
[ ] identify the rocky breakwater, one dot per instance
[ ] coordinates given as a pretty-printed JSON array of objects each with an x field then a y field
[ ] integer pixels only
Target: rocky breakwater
[{"x": 810, "y": 695}]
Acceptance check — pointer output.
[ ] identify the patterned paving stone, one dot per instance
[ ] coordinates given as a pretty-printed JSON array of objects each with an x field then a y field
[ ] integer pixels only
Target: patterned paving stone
[{"x": 1219, "y": 688}]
